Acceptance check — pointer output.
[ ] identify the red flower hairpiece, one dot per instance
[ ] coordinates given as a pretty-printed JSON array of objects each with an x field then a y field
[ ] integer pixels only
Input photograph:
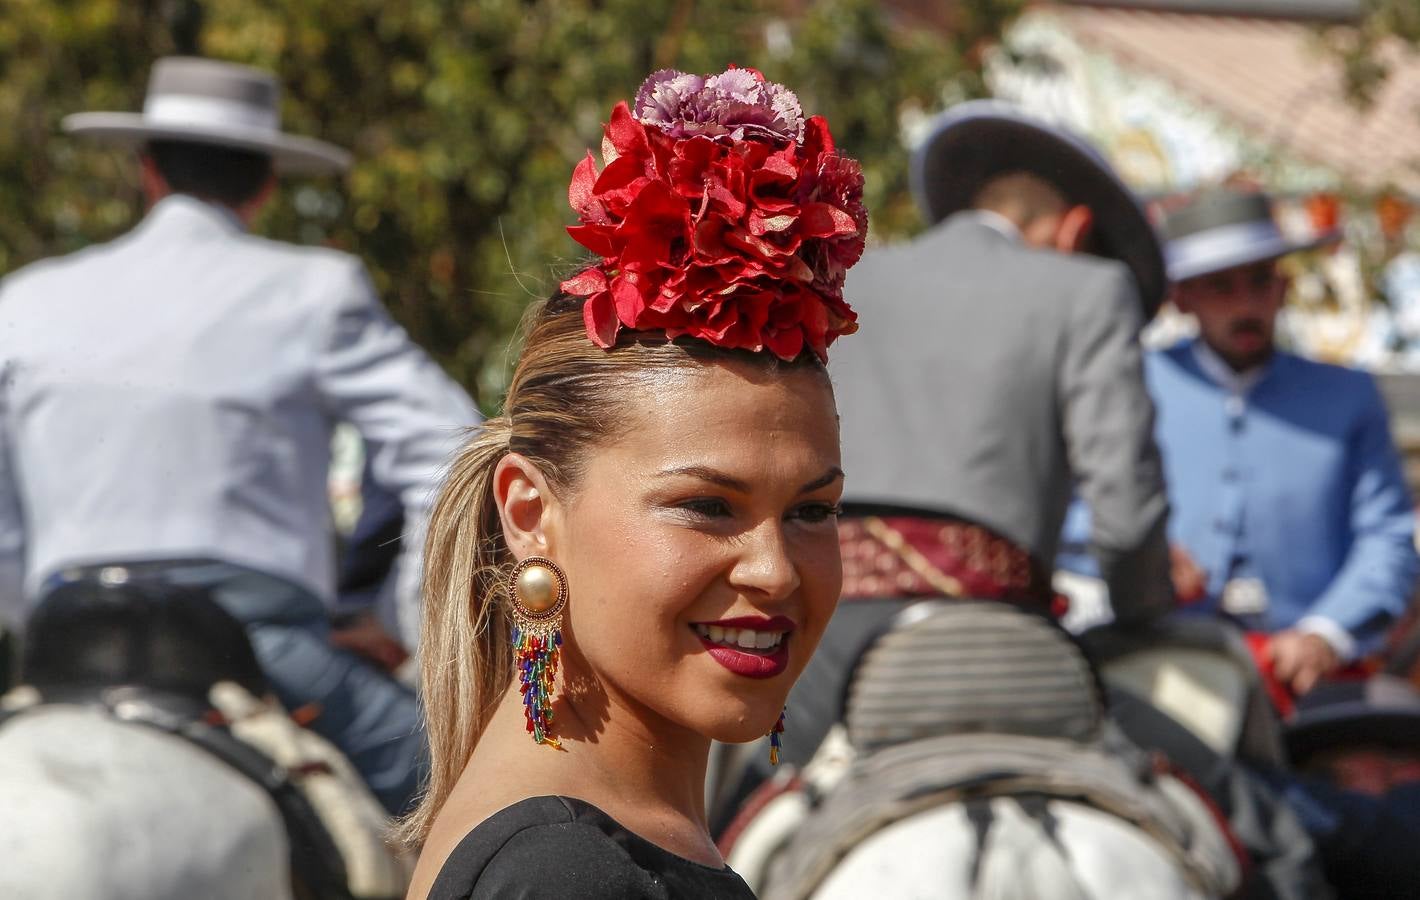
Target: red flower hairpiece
[{"x": 720, "y": 213}]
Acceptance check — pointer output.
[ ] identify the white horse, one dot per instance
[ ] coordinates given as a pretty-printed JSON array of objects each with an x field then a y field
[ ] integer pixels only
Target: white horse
[
  {"x": 1089, "y": 855},
  {"x": 99, "y": 809},
  {"x": 1042, "y": 836},
  {"x": 142, "y": 759}
]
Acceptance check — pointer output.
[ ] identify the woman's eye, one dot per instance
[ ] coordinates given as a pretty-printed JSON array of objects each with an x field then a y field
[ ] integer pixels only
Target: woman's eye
[
  {"x": 708, "y": 507},
  {"x": 814, "y": 513}
]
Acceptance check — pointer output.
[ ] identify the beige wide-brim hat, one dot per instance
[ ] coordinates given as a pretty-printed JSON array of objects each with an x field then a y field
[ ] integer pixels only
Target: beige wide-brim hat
[{"x": 206, "y": 101}]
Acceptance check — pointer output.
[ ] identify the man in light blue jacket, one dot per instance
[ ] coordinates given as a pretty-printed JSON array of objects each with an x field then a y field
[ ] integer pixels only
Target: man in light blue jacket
[
  {"x": 1287, "y": 492},
  {"x": 167, "y": 400}
]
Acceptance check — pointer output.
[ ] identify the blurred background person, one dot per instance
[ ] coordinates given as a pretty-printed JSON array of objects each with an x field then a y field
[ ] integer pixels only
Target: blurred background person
[
  {"x": 167, "y": 402},
  {"x": 1025, "y": 376},
  {"x": 1288, "y": 496}
]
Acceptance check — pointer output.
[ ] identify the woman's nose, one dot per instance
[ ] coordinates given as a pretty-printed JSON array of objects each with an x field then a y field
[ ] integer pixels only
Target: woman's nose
[{"x": 765, "y": 566}]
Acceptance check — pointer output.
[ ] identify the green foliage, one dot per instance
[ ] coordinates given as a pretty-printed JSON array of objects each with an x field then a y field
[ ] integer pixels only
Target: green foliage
[
  {"x": 465, "y": 119},
  {"x": 1362, "y": 48},
  {"x": 1368, "y": 50}
]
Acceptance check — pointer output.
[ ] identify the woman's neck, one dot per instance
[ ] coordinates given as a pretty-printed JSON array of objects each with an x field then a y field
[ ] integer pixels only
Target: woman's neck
[
  {"x": 632, "y": 750},
  {"x": 637, "y": 767}
]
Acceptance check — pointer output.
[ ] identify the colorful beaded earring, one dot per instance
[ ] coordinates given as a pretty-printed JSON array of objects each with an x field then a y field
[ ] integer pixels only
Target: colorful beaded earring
[
  {"x": 539, "y": 596},
  {"x": 775, "y": 744}
]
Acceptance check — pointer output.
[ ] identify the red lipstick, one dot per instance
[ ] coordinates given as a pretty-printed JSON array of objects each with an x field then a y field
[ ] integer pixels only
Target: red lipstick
[{"x": 721, "y": 640}]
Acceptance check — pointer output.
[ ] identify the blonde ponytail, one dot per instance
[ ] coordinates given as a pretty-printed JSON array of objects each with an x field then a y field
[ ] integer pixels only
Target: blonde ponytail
[{"x": 465, "y": 658}]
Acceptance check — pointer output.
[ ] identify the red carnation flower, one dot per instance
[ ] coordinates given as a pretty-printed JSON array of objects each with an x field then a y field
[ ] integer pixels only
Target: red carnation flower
[{"x": 740, "y": 239}]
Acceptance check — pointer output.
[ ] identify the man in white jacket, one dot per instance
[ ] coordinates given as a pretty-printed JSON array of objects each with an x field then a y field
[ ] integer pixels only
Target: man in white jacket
[{"x": 167, "y": 399}]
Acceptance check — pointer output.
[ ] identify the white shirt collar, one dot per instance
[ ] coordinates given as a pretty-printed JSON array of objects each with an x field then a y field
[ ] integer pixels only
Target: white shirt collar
[
  {"x": 1215, "y": 368},
  {"x": 186, "y": 204},
  {"x": 997, "y": 223}
]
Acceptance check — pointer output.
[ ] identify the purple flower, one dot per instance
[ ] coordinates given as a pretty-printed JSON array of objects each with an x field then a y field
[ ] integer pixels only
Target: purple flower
[{"x": 737, "y": 103}]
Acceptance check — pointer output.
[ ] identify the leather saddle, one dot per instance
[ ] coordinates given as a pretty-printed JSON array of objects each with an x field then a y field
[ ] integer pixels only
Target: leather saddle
[{"x": 105, "y": 629}]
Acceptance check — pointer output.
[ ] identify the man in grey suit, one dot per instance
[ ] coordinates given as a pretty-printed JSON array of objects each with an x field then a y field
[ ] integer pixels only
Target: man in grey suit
[
  {"x": 167, "y": 399},
  {"x": 998, "y": 365}
]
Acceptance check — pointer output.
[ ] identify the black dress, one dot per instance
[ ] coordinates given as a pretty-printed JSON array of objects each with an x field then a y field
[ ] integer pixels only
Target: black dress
[{"x": 546, "y": 847}]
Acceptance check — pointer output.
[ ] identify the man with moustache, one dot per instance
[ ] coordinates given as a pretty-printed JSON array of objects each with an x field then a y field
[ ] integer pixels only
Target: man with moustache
[{"x": 1286, "y": 489}]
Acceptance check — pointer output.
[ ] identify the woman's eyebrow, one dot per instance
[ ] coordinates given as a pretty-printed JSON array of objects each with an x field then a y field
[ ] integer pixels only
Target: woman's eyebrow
[
  {"x": 833, "y": 474},
  {"x": 730, "y": 482},
  {"x": 705, "y": 473}
]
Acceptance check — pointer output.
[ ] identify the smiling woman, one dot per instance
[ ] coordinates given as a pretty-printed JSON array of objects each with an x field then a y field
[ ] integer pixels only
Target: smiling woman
[{"x": 639, "y": 556}]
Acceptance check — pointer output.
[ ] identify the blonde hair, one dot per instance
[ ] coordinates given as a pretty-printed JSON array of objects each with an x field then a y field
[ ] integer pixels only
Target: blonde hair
[{"x": 564, "y": 399}]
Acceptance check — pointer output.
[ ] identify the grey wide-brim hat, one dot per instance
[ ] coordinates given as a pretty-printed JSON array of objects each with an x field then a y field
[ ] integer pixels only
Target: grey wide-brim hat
[
  {"x": 1222, "y": 229},
  {"x": 206, "y": 101},
  {"x": 973, "y": 142}
]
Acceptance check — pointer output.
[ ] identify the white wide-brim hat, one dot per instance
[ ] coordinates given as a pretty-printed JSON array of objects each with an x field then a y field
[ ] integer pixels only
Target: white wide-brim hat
[
  {"x": 206, "y": 101},
  {"x": 1223, "y": 229},
  {"x": 975, "y": 141}
]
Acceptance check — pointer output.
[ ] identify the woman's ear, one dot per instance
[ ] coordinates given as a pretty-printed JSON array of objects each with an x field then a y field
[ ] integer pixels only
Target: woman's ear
[{"x": 525, "y": 505}]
